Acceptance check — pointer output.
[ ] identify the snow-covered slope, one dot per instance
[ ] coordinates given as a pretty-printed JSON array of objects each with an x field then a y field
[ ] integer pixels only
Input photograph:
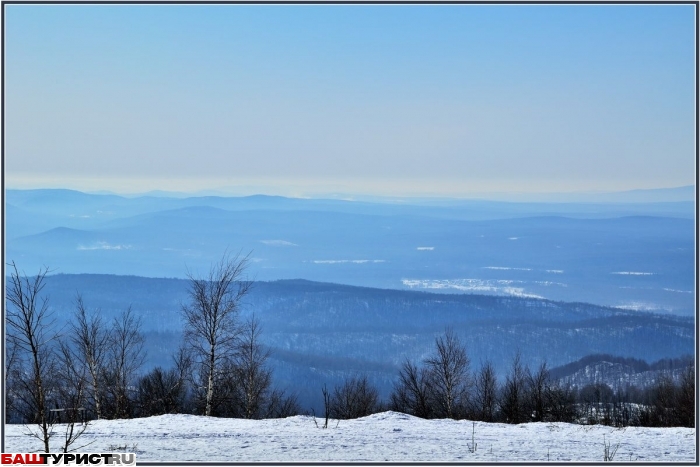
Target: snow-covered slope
[{"x": 387, "y": 436}]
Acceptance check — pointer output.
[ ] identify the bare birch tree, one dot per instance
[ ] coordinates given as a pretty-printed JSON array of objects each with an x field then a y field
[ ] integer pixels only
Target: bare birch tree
[
  {"x": 72, "y": 390},
  {"x": 12, "y": 374},
  {"x": 211, "y": 327},
  {"x": 124, "y": 360},
  {"x": 29, "y": 329},
  {"x": 254, "y": 378},
  {"x": 448, "y": 370},
  {"x": 90, "y": 340}
]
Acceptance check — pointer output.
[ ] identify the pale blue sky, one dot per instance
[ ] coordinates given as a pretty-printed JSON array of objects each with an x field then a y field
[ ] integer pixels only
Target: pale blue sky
[{"x": 399, "y": 99}]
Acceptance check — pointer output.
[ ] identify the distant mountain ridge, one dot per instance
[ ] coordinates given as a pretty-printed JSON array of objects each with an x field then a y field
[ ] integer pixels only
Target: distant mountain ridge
[
  {"x": 628, "y": 255},
  {"x": 651, "y": 195},
  {"x": 648, "y": 195}
]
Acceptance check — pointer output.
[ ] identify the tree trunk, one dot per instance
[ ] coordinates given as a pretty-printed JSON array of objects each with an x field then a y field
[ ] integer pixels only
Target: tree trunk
[{"x": 210, "y": 382}]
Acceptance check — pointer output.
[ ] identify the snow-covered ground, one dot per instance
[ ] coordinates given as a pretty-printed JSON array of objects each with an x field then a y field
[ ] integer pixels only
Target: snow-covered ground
[{"x": 387, "y": 436}]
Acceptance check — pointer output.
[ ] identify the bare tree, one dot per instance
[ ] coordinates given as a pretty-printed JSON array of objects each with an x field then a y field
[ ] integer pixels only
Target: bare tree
[
  {"x": 596, "y": 400},
  {"x": 685, "y": 403},
  {"x": 253, "y": 377},
  {"x": 210, "y": 319},
  {"x": 29, "y": 325},
  {"x": 449, "y": 376},
  {"x": 165, "y": 391},
  {"x": 247, "y": 384},
  {"x": 160, "y": 392},
  {"x": 663, "y": 401},
  {"x": 12, "y": 375},
  {"x": 71, "y": 388},
  {"x": 562, "y": 403},
  {"x": 538, "y": 385},
  {"x": 90, "y": 339},
  {"x": 183, "y": 366},
  {"x": 411, "y": 393},
  {"x": 513, "y": 398},
  {"x": 326, "y": 405},
  {"x": 485, "y": 393},
  {"x": 126, "y": 355},
  {"x": 355, "y": 398}
]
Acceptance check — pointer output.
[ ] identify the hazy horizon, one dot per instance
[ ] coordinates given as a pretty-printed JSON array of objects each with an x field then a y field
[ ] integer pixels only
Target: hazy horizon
[
  {"x": 382, "y": 100},
  {"x": 313, "y": 191}
]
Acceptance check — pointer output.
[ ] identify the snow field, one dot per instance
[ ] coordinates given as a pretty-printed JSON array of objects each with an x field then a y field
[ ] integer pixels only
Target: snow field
[{"x": 388, "y": 436}]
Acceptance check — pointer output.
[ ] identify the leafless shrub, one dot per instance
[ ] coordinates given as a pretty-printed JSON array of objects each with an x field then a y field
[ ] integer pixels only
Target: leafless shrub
[
  {"x": 609, "y": 452},
  {"x": 355, "y": 398},
  {"x": 412, "y": 392}
]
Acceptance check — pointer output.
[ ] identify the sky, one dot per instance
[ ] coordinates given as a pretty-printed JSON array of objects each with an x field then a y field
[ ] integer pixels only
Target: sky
[{"x": 298, "y": 100}]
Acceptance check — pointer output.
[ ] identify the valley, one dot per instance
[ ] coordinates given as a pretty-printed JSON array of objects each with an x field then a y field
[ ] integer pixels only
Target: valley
[{"x": 359, "y": 287}]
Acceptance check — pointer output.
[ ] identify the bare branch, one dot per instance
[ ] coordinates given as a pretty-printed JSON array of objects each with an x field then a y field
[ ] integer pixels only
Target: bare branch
[{"x": 211, "y": 327}]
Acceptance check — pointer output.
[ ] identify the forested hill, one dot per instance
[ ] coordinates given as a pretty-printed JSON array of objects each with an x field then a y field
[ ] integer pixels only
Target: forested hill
[
  {"x": 355, "y": 326},
  {"x": 621, "y": 373},
  {"x": 320, "y": 333}
]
